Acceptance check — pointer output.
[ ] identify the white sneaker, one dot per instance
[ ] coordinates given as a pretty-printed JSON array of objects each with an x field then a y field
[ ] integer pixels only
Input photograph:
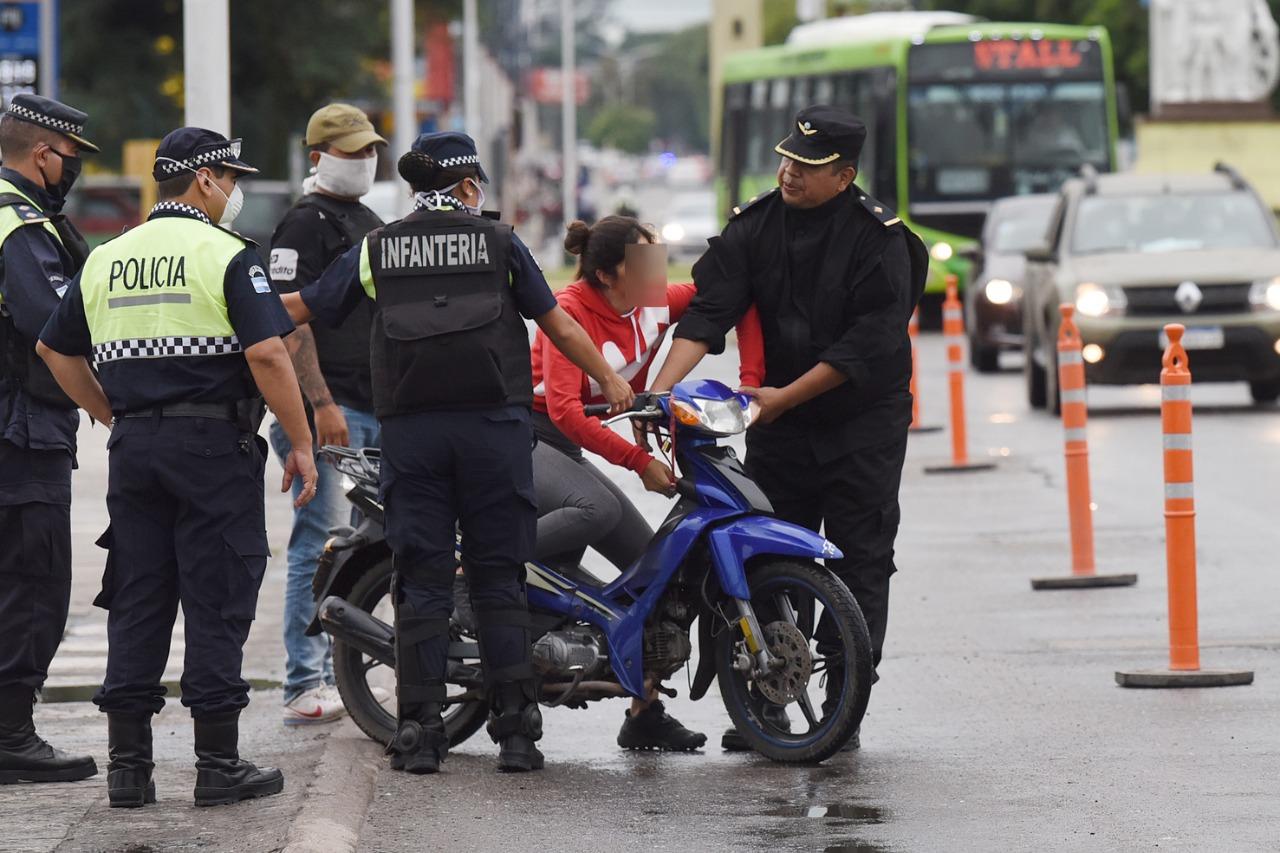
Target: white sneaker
[{"x": 320, "y": 704}]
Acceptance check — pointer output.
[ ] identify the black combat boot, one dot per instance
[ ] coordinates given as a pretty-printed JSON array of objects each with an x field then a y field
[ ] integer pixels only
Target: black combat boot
[
  {"x": 221, "y": 776},
  {"x": 776, "y": 715},
  {"x": 654, "y": 728},
  {"x": 129, "y": 784},
  {"x": 515, "y": 724},
  {"x": 420, "y": 743},
  {"x": 24, "y": 756}
]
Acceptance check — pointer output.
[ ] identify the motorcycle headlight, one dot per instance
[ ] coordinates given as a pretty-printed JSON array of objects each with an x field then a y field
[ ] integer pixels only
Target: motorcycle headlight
[
  {"x": 719, "y": 417},
  {"x": 1095, "y": 300},
  {"x": 1265, "y": 295}
]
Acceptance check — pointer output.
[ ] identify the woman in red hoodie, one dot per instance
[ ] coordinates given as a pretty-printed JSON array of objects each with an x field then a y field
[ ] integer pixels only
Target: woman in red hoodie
[{"x": 579, "y": 506}]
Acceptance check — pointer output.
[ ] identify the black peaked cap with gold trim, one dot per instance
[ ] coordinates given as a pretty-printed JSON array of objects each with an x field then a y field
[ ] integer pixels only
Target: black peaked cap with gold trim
[
  {"x": 823, "y": 134},
  {"x": 54, "y": 115}
]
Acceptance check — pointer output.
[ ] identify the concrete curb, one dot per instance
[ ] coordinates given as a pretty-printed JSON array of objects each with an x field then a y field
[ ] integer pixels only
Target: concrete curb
[
  {"x": 83, "y": 691},
  {"x": 337, "y": 799}
]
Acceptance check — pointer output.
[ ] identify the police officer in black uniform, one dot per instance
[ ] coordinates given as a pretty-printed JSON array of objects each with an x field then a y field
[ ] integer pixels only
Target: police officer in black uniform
[
  {"x": 835, "y": 275},
  {"x": 40, "y": 251},
  {"x": 452, "y": 386},
  {"x": 185, "y": 328}
]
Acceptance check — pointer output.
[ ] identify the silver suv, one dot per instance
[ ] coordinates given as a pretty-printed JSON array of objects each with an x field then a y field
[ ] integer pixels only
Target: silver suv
[{"x": 1134, "y": 252}]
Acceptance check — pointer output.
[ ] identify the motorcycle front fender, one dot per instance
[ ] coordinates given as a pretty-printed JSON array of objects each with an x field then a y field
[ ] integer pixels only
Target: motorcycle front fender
[{"x": 734, "y": 544}]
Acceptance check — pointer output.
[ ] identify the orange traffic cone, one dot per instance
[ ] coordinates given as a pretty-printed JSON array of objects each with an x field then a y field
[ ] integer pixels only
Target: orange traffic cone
[
  {"x": 913, "y": 329},
  {"x": 953, "y": 332},
  {"x": 1180, "y": 537},
  {"x": 1075, "y": 414}
]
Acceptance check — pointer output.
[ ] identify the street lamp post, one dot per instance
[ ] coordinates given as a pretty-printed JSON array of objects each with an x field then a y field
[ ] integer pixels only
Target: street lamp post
[
  {"x": 402, "y": 102},
  {"x": 206, "y": 64},
  {"x": 568, "y": 112}
]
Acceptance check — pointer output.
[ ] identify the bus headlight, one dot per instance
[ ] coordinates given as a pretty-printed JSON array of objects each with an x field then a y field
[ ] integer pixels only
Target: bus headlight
[
  {"x": 1095, "y": 300},
  {"x": 998, "y": 291},
  {"x": 941, "y": 251}
]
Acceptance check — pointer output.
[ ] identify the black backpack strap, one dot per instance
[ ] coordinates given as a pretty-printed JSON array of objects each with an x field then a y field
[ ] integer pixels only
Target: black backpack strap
[{"x": 333, "y": 213}]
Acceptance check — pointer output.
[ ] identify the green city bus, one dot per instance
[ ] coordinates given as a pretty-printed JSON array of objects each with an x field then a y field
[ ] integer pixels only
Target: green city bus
[{"x": 958, "y": 114}]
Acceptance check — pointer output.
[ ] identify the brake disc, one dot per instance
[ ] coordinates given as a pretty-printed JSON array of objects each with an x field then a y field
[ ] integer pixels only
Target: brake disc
[{"x": 786, "y": 643}]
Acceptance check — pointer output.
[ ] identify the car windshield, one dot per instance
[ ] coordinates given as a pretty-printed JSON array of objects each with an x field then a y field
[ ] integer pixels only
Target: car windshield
[
  {"x": 1017, "y": 227},
  {"x": 1171, "y": 223}
]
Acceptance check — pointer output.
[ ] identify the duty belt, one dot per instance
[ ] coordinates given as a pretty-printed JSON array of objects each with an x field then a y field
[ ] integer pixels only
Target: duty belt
[{"x": 216, "y": 411}]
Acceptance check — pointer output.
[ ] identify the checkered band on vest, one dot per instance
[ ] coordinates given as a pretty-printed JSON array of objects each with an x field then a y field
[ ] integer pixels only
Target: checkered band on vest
[
  {"x": 217, "y": 155},
  {"x": 42, "y": 119},
  {"x": 179, "y": 207},
  {"x": 460, "y": 161},
  {"x": 164, "y": 348}
]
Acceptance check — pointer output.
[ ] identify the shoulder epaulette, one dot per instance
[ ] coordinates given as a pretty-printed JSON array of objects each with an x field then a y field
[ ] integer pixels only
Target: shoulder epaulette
[
  {"x": 886, "y": 216},
  {"x": 755, "y": 199},
  {"x": 248, "y": 241},
  {"x": 26, "y": 211}
]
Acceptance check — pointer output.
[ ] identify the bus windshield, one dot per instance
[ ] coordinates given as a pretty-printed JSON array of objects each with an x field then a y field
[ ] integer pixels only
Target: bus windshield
[{"x": 981, "y": 141}]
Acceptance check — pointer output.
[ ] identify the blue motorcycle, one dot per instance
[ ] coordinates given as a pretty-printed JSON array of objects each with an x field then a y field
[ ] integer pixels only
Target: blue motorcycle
[{"x": 782, "y": 635}]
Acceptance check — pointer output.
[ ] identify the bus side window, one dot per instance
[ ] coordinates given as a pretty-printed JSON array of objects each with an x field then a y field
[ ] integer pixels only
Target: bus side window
[
  {"x": 780, "y": 118},
  {"x": 884, "y": 96},
  {"x": 758, "y": 128},
  {"x": 733, "y": 141}
]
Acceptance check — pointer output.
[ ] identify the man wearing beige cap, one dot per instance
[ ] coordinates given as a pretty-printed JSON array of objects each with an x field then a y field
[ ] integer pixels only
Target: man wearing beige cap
[{"x": 333, "y": 370}]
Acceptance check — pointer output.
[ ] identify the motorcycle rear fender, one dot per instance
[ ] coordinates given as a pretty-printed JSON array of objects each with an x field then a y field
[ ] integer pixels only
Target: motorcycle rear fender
[{"x": 734, "y": 544}]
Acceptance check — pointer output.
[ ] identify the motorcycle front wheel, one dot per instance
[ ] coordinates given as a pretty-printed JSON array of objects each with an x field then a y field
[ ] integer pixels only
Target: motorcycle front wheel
[
  {"x": 809, "y": 708},
  {"x": 361, "y": 678}
]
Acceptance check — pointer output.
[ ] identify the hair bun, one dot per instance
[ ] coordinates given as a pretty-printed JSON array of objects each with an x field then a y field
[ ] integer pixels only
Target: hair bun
[
  {"x": 576, "y": 236},
  {"x": 419, "y": 169}
]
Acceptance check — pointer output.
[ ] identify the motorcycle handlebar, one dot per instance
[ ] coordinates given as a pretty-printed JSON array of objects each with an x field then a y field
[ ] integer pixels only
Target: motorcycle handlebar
[{"x": 596, "y": 410}]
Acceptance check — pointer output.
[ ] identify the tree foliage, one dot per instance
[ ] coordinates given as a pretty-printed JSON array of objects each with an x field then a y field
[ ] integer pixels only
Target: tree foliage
[{"x": 626, "y": 127}]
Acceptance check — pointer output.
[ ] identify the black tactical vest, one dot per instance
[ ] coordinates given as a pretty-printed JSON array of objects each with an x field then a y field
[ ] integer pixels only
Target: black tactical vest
[
  {"x": 447, "y": 333},
  {"x": 343, "y": 352}
]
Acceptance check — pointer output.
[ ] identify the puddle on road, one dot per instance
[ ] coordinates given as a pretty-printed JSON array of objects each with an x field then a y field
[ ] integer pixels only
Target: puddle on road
[{"x": 847, "y": 811}]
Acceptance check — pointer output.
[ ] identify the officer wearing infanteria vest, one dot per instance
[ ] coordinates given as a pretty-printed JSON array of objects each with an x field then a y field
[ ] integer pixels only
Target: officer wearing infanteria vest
[
  {"x": 452, "y": 387},
  {"x": 185, "y": 329},
  {"x": 40, "y": 251}
]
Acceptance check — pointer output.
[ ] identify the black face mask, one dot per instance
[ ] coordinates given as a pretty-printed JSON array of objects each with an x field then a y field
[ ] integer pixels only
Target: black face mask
[{"x": 70, "y": 172}]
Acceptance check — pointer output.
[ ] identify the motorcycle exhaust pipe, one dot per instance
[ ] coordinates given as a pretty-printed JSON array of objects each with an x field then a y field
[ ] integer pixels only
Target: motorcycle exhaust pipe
[{"x": 363, "y": 631}]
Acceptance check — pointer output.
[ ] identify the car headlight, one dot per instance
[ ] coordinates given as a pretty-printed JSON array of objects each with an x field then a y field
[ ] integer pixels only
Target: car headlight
[
  {"x": 1265, "y": 295},
  {"x": 998, "y": 291},
  {"x": 673, "y": 232},
  {"x": 1096, "y": 300},
  {"x": 942, "y": 251}
]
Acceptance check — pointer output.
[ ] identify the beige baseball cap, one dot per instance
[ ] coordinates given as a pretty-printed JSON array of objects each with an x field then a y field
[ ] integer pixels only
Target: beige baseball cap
[{"x": 343, "y": 126}]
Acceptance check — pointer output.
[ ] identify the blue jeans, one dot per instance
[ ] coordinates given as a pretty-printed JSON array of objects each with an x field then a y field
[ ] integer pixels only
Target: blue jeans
[{"x": 308, "y": 660}]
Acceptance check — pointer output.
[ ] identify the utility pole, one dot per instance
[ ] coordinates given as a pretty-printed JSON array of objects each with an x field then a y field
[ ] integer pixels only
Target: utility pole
[
  {"x": 206, "y": 64},
  {"x": 568, "y": 112},
  {"x": 403, "y": 109},
  {"x": 471, "y": 80}
]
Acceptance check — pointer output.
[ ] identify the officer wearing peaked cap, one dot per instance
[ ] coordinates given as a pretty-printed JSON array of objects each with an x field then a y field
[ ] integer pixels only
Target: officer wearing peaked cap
[
  {"x": 185, "y": 330},
  {"x": 452, "y": 389},
  {"x": 41, "y": 141},
  {"x": 835, "y": 276}
]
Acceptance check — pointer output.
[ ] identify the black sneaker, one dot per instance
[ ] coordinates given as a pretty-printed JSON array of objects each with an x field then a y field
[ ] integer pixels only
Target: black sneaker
[
  {"x": 654, "y": 728},
  {"x": 733, "y": 741}
]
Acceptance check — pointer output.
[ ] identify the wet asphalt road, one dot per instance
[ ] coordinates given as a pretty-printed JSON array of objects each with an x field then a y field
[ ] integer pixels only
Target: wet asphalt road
[{"x": 997, "y": 724}]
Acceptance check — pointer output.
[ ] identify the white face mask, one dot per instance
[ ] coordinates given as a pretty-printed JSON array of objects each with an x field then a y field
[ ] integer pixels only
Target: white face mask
[
  {"x": 474, "y": 211},
  {"x": 345, "y": 177},
  {"x": 235, "y": 202}
]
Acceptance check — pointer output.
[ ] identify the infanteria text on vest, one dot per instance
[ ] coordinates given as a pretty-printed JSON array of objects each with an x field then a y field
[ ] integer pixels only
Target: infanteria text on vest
[{"x": 447, "y": 334}]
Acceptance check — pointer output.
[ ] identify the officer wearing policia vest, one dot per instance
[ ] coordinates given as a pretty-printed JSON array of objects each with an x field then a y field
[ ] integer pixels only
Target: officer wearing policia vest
[
  {"x": 40, "y": 251},
  {"x": 452, "y": 387},
  {"x": 185, "y": 330}
]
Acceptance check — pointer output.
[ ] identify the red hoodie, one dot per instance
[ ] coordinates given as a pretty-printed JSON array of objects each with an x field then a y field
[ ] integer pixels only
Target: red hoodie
[{"x": 628, "y": 342}]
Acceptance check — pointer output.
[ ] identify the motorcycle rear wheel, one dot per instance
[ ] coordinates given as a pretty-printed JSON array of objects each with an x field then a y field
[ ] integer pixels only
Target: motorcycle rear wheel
[
  {"x": 352, "y": 669},
  {"x": 803, "y": 584}
]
